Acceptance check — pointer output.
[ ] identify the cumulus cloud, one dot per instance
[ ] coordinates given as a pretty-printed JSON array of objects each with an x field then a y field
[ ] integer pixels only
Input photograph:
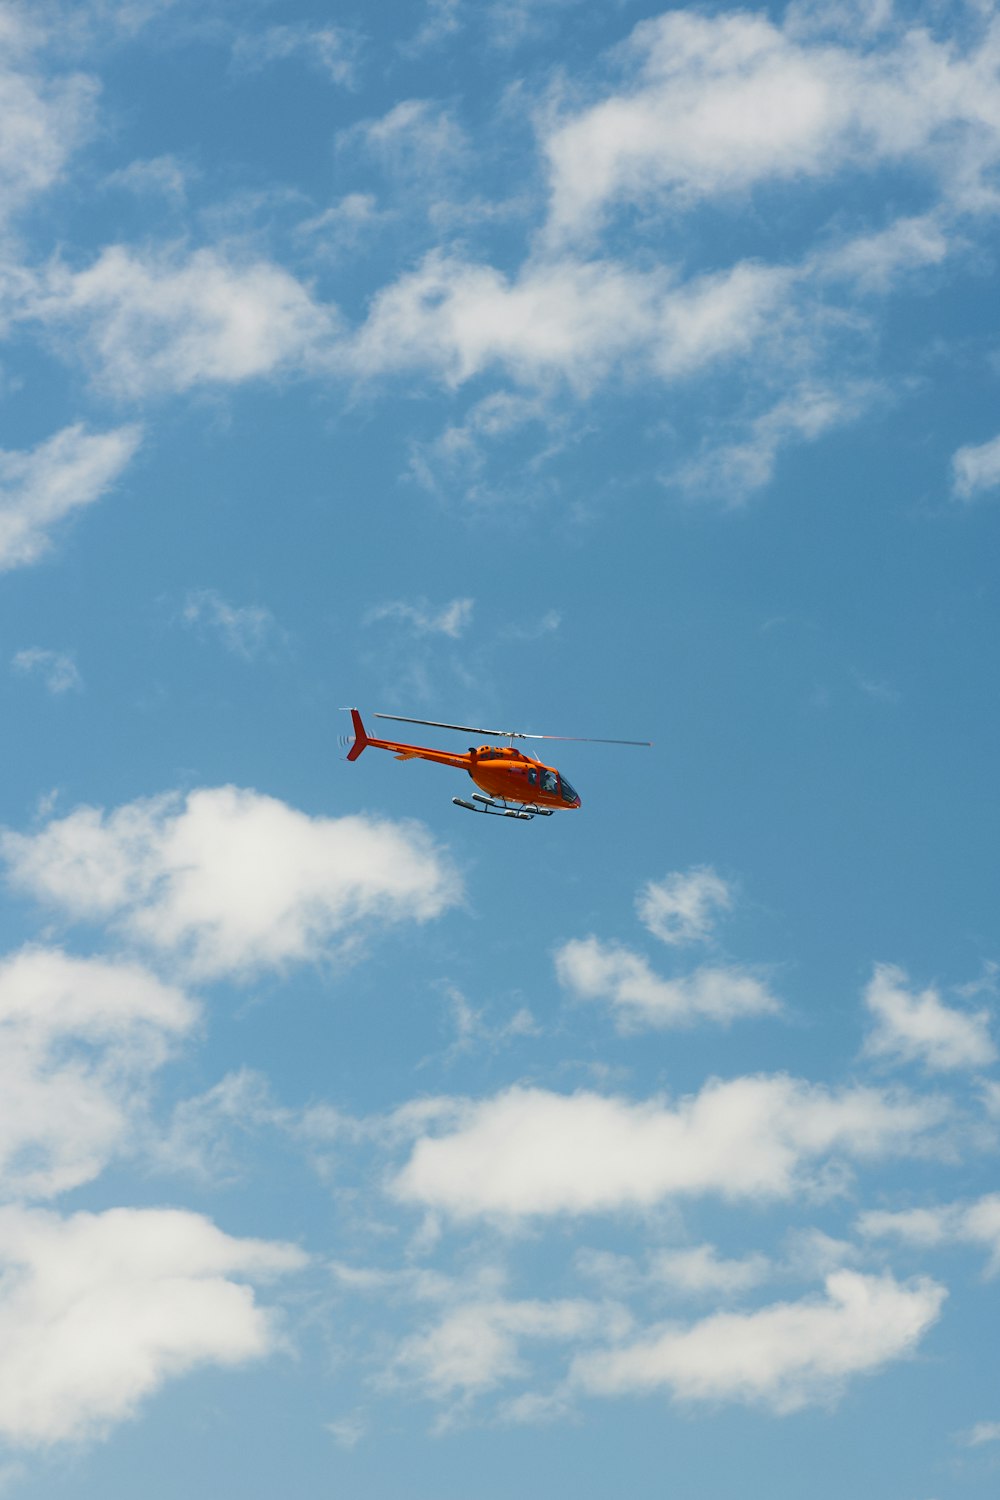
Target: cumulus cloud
[
  {"x": 784, "y": 1356},
  {"x": 682, "y": 907},
  {"x": 713, "y": 106},
  {"x": 976, "y": 470},
  {"x": 79, "y": 1041},
  {"x": 529, "y": 1151},
  {"x": 146, "y": 323},
  {"x": 568, "y": 319},
  {"x": 40, "y": 486},
  {"x": 976, "y": 1223},
  {"x": 244, "y": 629},
  {"x": 57, "y": 669},
  {"x": 229, "y": 881},
  {"x": 921, "y": 1028},
  {"x": 458, "y": 318},
  {"x": 99, "y": 1310},
  {"x": 593, "y": 970}
]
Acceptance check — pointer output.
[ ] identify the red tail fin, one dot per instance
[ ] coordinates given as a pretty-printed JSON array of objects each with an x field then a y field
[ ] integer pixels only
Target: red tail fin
[{"x": 360, "y": 737}]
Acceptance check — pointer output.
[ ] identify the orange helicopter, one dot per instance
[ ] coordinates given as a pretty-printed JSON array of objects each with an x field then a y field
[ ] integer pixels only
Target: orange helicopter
[{"x": 516, "y": 785}]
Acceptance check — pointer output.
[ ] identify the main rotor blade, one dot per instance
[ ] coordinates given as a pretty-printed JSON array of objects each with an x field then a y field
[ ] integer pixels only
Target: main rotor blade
[
  {"x": 503, "y": 734},
  {"x": 581, "y": 739},
  {"x": 509, "y": 734}
]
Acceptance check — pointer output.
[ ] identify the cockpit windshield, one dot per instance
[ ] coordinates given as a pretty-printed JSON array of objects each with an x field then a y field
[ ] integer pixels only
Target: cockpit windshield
[{"x": 568, "y": 794}]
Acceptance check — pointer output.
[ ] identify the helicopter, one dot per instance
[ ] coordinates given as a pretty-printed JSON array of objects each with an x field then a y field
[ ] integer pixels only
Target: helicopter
[{"x": 516, "y": 785}]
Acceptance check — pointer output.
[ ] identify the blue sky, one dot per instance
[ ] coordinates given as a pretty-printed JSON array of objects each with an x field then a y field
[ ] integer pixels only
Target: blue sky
[{"x": 593, "y": 370}]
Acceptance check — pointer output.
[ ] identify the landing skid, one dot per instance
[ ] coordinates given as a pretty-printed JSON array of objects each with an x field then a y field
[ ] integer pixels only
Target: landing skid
[{"x": 501, "y": 809}]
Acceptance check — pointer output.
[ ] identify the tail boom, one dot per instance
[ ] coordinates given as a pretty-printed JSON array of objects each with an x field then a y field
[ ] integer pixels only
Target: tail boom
[{"x": 403, "y": 752}]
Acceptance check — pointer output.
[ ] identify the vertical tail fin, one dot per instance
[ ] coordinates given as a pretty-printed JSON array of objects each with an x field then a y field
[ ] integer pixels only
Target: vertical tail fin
[{"x": 360, "y": 737}]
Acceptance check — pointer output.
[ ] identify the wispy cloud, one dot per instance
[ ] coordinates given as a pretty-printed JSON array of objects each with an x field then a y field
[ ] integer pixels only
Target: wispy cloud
[
  {"x": 975, "y": 1223},
  {"x": 42, "y": 119},
  {"x": 334, "y": 50},
  {"x": 57, "y": 669},
  {"x": 245, "y": 629},
  {"x": 982, "y": 1432},
  {"x": 41, "y": 486},
  {"x": 423, "y": 619}
]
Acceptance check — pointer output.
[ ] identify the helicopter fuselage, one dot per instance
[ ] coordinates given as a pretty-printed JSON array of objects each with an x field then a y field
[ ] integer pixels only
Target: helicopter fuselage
[{"x": 499, "y": 770}]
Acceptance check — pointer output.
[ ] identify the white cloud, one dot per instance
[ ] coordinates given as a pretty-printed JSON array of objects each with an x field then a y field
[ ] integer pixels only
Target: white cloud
[
  {"x": 976, "y": 1223},
  {"x": 530, "y": 1151},
  {"x": 784, "y": 1356},
  {"x": 42, "y": 121},
  {"x": 79, "y": 1040},
  {"x": 203, "y": 1132},
  {"x": 874, "y": 261},
  {"x": 733, "y": 469},
  {"x": 40, "y": 486},
  {"x": 475, "y": 1346},
  {"x": 458, "y": 318},
  {"x": 451, "y": 619},
  {"x": 230, "y": 882},
  {"x": 682, "y": 907},
  {"x": 418, "y": 139},
  {"x": 244, "y": 629},
  {"x": 692, "y": 1272},
  {"x": 158, "y": 322},
  {"x": 983, "y": 1432},
  {"x": 593, "y": 970},
  {"x": 342, "y": 226},
  {"x": 57, "y": 668},
  {"x": 574, "y": 321},
  {"x": 701, "y": 1271},
  {"x": 976, "y": 470},
  {"x": 99, "y": 1310},
  {"x": 473, "y": 1029},
  {"x": 347, "y": 1431},
  {"x": 716, "y": 105},
  {"x": 921, "y": 1028},
  {"x": 162, "y": 175}
]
